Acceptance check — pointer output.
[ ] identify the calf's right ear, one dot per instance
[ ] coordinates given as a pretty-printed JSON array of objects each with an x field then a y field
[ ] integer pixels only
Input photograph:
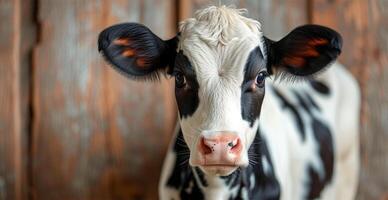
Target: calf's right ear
[{"x": 137, "y": 52}]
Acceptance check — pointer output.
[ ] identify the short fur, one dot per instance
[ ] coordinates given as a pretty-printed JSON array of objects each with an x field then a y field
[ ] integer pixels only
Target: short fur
[{"x": 298, "y": 141}]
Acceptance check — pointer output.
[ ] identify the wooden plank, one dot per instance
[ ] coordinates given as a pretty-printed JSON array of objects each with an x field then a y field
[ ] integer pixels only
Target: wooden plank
[
  {"x": 70, "y": 157},
  {"x": 14, "y": 98},
  {"x": 96, "y": 134},
  {"x": 142, "y": 114},
  {"x": 28, "y": 29},
  {"x": 9, "y": 116},
  {"x": 364, "y": 28},
  {"x": 278, "y": 17}
]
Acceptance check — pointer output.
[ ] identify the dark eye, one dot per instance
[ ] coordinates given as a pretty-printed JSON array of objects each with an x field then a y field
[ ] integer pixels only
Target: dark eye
[
  {"x": 260, "y": 79},
  {"x": 180, "y": 80}
]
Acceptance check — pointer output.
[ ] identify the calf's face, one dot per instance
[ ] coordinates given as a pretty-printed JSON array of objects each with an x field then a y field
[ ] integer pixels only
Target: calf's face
[{"x": 220, "y": 68}]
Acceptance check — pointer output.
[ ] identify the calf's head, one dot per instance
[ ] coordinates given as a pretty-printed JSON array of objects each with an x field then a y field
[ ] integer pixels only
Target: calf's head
[{"x": 220, "y": 61}]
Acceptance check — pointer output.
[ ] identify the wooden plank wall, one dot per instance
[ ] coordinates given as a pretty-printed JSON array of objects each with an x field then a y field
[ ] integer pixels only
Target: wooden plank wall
[
  {"x": 73, "y": 128},
  {"x": 364, "y": 26},
  {"x": 96, "y": 134},
  {"x": 10, "y": 132},
  {"x": 17, "y": 36}
]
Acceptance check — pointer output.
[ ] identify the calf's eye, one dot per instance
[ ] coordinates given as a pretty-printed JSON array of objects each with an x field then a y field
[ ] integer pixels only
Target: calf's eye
[
  {"x": 180, "y": 80},
  {"x": 260, "y": 79}
]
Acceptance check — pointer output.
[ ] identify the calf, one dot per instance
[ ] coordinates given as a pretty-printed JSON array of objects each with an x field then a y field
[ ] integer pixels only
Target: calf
[{"x": 241, "y": 135}]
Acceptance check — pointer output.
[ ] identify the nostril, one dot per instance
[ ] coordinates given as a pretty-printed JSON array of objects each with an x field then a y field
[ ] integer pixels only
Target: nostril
[
  {"x": 230, "y": 144},
  {"x": 235, "y": 145},
  {"x": 205, "y": 149}
]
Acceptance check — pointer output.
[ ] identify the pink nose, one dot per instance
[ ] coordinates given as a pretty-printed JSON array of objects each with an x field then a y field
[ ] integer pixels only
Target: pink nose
[{"x": 223, "y": 148}]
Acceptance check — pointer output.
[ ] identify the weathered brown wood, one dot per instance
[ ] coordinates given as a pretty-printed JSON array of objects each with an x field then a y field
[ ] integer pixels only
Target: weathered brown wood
[
  {"x": 28, "y": 29},
  {"x": 142, "y": 114},
  {"x": 9, "y": 100},
  {"x": 96, "y": 134},
  {"x": 364, "y": 27},
  {"x": 69, "y": 153},
  {"x": 277, "y": 17},
  {"x": 16, "y": 39}
]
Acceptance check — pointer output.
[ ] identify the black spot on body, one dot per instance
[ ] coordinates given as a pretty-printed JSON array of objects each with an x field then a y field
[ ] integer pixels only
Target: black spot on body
[
  {"x": 323, "y": 136},
  {"x": 195, "y": 194},
  {"x": 266, "y": 185},
  {"x": 201, "y": 177},
  {"x": 233, "y": 179},
  {"x": 311, "y": 101},
  {"x": 288, "y": 106},
  {"x": 326, "y": 152},
  {"x": 315, "y": 183},
  {"x": 182, "y": 173},
  {"x": 320, "y": 87},
  {"x": 306, "y": 107}
]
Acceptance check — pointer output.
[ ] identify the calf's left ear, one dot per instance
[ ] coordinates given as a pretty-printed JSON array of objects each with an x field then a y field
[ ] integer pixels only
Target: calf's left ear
[{"x": 304, "y": 51}]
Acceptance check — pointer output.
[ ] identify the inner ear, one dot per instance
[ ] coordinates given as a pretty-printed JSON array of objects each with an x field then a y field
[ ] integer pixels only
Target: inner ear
[
  {"x": 305, "y": 50},
  {"x": 135, "y": 50}
]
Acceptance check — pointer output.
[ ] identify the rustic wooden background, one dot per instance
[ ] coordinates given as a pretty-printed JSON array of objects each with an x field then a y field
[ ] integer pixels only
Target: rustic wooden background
[{"x": 72, "y": 128}]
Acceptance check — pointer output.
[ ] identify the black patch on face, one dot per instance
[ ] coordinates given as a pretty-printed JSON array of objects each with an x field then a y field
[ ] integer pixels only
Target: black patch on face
[
  {"x": 320, "y": 87},
  {"x": 286, "y": 105},
  {"x": 251, "y": 99},
  {"x": 187, "y": 96}
]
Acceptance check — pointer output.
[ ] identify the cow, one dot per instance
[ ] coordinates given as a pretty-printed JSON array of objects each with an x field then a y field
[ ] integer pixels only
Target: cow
[{"x": 258, "y": 118}]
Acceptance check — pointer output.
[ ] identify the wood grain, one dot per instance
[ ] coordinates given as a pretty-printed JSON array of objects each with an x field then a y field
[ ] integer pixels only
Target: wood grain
[
  {"x": 364, "y": 28},
  {"x": 278, "y": 17},
  {"x": 16, "y": 39},
  {"x": 142, "y": 114},
  {"x": 96, "y": 134},
  {"x": 73, "y": 128}
]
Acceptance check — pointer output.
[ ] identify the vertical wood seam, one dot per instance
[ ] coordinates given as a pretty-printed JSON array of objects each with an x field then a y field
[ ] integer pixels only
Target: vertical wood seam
[
  {"x": 310, "y": 11},
  {"x": 16, "y": 98},
  {"x": 32, "y": 103}
]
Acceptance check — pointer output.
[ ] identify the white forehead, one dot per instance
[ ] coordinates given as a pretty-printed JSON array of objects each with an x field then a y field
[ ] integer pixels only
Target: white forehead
[{"x": 218, "y": 40}]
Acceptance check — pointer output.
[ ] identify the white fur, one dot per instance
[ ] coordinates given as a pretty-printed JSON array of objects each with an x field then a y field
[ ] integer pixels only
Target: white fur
[
  {"x": 291, "y": 156},
  {"x": 217, "y": 42}
]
